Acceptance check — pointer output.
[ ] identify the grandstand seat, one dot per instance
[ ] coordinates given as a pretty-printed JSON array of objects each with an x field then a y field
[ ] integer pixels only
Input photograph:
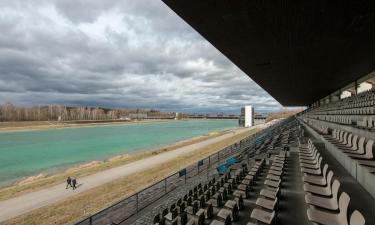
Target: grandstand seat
[
  {"x": 330, "y": 203},
  {"x": 340, "y": 218},
  {"x": 320, "y": 190},
  {"x": 264, "y": 216},
  {"x": 316, "y": 179},
  {"x": 267, "y": 203},
  {"x": 271, "y": 194}
]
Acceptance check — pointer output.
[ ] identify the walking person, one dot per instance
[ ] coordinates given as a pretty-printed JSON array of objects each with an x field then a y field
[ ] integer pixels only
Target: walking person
[
  {"x": 74, "y": 182},
  {"x": 68, "y": 182}
]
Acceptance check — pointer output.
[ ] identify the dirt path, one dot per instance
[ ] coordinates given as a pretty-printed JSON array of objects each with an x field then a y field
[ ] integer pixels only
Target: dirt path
[{"x": 17, "y": 206}]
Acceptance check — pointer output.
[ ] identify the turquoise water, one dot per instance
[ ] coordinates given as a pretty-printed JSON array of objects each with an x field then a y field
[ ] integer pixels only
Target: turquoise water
[{"x": 24, "y": 154}]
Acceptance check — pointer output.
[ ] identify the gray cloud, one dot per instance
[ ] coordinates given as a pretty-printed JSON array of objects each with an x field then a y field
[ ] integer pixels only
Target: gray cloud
[{"x": 115, "y": 54}]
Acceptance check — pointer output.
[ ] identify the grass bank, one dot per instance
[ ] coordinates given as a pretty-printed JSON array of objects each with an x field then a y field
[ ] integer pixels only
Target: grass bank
[{"x": 89, "y": 202}]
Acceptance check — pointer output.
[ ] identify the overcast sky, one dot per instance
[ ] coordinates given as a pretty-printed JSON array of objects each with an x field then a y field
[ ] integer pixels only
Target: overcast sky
[{"x": 129, "y": 53}]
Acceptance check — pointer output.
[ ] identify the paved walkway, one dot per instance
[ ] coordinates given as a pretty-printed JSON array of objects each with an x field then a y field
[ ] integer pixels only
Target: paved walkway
[{"x": 19, "y": 205}]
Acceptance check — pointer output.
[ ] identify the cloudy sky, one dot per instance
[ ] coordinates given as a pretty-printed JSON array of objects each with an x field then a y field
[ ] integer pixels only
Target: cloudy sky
[{"x": 129, "y": 53}]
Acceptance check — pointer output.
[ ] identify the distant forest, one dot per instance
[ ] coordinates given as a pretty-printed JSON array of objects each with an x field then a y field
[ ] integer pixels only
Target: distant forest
[{"x": 10, "y": 112}]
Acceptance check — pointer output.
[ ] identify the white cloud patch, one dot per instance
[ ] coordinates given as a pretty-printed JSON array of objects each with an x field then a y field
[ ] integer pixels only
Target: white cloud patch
[{"x": 115, "y": 54}]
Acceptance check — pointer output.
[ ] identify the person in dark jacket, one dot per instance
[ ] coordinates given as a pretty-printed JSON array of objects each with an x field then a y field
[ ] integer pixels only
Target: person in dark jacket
[
  {"x": 68, "y": 182},
  {"x": 74, "y": 183}
]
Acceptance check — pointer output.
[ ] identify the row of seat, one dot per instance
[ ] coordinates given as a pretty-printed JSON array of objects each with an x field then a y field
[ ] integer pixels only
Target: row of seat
[
  {"x": 321, "y": 129},
  {"x": 348, "y": 120},
  {"x": 322, "y": 194},
  {"x": 368, "y": 122},
  {"x": 353, "y": 110},
  {"x": 200, "y": 204},
  {"x": 352, "y": 105},
  {"x": 268, "y": 201},
  {"x": 241, "y": 192},
  {"x": 359, "y": 148},
  {"x": 271, "y": 143}
]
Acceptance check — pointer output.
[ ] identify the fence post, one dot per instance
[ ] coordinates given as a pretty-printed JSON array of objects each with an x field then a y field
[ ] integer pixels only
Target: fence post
[
  {"x": 185, "y": 177},
  {"x": 137, "y": 207},
  {"x": 165, "y": 185},
  {"x": 90, "y": 220}
]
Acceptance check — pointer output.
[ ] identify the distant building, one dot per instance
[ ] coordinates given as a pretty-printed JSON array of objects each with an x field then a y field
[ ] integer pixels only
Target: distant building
[
  {"x": 138, "y": 116},
  {"x": 246, "y": 118},
  {"x": 260, "y": 118}
]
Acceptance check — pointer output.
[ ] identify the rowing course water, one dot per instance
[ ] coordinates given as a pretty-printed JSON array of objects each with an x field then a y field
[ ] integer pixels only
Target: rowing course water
[{"x": 29, "y": 153}]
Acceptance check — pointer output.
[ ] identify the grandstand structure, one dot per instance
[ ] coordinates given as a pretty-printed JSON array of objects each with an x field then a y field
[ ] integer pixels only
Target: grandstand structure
[{"x": 317, "y": 167}]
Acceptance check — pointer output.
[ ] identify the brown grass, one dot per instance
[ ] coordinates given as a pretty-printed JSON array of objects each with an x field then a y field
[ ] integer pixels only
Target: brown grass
[{"x": 84, "y": 204}]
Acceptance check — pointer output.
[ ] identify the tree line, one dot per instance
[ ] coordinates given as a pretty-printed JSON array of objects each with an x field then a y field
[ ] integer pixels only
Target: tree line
[{"x": 10, "y": 112}]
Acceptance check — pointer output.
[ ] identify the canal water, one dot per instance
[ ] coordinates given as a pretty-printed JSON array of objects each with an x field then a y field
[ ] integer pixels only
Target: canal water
[{"x": 29, "y": 153}]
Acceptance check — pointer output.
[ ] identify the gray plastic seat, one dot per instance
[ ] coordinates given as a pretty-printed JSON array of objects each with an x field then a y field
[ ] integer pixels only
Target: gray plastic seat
[
  {"x": 314, "y": 161},
  {"x": 320, "y": 190},
  {"x": 263, "y": 216},
  {"x": 348, "y": 142},
  {"x": 360, "y": 149},
  {"x": 317, "y": 171},
  {"x": 267, "y": 203},
  {"x": 327, "y": 218},
  {"x": 313, "y": 165},
  {"x": 323, "y": 202},
  {"x": 272, "y": 194},
  {"x": 354, "y": 146},
  {"x": 320, "y": 180},
  {"x": 368, "y": 152}
]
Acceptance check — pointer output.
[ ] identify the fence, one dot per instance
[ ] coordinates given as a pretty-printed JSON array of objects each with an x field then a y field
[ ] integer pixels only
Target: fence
[{"x": 131, "y": 205}]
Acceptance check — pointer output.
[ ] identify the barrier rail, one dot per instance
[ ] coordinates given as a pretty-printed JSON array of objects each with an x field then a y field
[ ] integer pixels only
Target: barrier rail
[{"x": 131, "y": 205}]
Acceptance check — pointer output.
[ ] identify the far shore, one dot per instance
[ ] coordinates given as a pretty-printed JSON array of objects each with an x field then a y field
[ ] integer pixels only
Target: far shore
[
  {"x": 40, "y": 181},
  {"x": 23, "y": 126},
  {"x": 48, "y": 125}
]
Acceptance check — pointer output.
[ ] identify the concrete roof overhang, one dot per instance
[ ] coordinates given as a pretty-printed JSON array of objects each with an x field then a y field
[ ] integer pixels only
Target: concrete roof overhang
[{"x": 299, "y": 51}]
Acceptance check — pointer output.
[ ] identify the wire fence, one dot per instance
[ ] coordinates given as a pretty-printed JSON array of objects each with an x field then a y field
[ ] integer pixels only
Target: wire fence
[{"x": 131, "y": 205}]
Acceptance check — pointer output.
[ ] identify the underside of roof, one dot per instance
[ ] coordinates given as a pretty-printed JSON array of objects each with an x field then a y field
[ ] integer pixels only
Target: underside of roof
[{"x": 299, "y": 51}]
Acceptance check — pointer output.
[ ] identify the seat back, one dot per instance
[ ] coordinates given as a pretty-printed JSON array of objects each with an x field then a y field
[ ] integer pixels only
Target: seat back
[
  {"x": 335, "y": 189},
  {"x": 349, "y": 142},
  {"x": 335, "y": 133},
  {"x": 343, "y": 207},
  {"x": 344, "y": 138},
  {"x": 355, "y": 143},
  {"x": 340, "y": 135},
  {"x": 370, "y": 122},
  {"x": 329, "y": 179},
  {"x": 361, "y": 145},
  {"x": 369, "y": 147},
  {"x": 320, "y": 163},
  {"x": 324, "y": 172},
  {"x": 357, "y": 218}
]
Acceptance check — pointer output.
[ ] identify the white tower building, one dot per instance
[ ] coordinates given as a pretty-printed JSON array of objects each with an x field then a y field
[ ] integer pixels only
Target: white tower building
[{"x": 247, "y": 116}]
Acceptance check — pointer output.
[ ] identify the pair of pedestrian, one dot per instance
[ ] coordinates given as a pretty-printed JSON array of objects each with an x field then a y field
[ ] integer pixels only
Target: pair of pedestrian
[{"x": 71, "y": 182}]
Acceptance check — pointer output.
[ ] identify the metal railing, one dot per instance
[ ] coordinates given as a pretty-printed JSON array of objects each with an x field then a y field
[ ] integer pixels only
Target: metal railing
[{"x": 131, "y": 205}]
